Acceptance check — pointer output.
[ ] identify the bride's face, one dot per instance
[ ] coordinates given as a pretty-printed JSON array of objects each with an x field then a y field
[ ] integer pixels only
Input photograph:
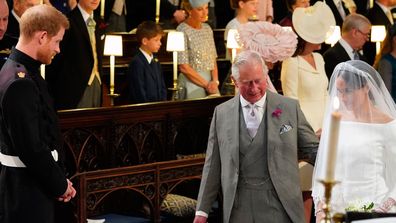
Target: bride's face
[{"x": 352, "y": 98}]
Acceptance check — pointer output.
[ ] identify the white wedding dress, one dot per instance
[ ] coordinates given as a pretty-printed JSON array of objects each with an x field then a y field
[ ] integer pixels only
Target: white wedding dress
[{"x": 365, "y": 165}]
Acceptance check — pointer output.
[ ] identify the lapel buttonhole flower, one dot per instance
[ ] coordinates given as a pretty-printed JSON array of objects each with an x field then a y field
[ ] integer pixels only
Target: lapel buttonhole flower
[{"x": 277, "y": 113}]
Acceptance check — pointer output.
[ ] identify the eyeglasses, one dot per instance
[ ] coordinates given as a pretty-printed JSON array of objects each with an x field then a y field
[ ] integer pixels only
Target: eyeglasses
[{"x": 364, "y": 34}]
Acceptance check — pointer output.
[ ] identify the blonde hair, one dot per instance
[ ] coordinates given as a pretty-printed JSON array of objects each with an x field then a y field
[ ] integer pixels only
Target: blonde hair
[{"x": 42, "y": 18}]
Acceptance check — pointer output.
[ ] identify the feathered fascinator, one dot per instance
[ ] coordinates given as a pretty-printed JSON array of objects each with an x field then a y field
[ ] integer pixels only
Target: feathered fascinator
[{"x": 272, "y": 41}]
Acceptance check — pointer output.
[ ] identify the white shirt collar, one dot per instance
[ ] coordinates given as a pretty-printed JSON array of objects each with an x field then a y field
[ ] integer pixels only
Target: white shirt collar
[
  {"x": 260, "y": 103},
  {"x": 347, "y": 47},
  {"x": 84, "y": 14},
  {"x": 148, "y": 57},
  {"x": 16, "y": 16}
]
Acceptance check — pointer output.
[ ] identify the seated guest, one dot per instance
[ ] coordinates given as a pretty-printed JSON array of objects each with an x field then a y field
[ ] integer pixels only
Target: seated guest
[
  {"x": 291, "y": 5},
  {"x": 197, "y": 63},
  {"x": 303, "y": 75},
  {"x": 385, "y": 62},
  {"x": 355, "y": 33},
  {"x": 144, "y": 75},
  {"x": 365, "y": 157}
]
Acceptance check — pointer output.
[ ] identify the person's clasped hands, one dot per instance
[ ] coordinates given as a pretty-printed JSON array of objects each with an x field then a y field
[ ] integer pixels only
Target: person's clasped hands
[
  {"x": 69, "y": 193},
  {"x": 212, "y": 87}
]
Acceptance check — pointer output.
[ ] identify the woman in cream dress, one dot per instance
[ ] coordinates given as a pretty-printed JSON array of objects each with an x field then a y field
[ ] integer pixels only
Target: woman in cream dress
[{"x": 303, "y": 76}]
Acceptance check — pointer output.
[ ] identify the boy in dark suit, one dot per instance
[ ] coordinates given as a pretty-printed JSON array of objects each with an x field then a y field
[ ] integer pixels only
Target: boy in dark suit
[{"x": 144, "y": 75}]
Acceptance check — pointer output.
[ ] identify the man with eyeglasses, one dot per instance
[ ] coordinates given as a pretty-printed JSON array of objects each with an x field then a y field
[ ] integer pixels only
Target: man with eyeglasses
[
  {"x": 255, "y": 142},
  {"x": 355, "y": 32}
]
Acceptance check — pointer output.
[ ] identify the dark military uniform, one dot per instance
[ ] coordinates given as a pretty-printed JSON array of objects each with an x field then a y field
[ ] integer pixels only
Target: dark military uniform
[{"x": 30, "y": 179}]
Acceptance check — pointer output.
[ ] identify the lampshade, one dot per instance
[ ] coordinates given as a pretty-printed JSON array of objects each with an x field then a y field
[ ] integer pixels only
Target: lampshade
[
  {"x": 113, "y": 45},
  {"x": 175, "y": 41},
  {"x": 378, "y": 33},
  {"x": 334, "y": 35},
  {"x": 232, "y": 42}
]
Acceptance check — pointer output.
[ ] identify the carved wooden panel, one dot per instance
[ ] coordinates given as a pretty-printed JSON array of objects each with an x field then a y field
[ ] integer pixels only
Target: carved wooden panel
[{"x": 131, "y": 140}]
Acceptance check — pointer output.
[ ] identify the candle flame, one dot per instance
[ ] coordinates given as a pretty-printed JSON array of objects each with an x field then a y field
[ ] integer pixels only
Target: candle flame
[{"x": 336, "y": 103}]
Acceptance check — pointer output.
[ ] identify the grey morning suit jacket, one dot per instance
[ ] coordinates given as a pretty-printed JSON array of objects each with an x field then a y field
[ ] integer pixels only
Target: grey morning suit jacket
[{"x": 284, "y": 150}]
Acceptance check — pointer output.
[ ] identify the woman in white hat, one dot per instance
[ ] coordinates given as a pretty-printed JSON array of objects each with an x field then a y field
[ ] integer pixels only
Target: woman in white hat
[
  {"x": 303, "y": 76},
  {"x": 197, "y": 63}
]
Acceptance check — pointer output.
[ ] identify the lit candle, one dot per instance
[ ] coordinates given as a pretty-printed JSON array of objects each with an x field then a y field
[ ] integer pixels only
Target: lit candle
[
  {"x": 42, "y": 70},
  {"x": 174, "y": 66},
  {"x": 41, "y": 2},
  {"x": 333, "y": 141},
  {"x": 371, "y": 3},
  {"x": 157, "y": 10},
  {"x": 102, "y": 8},
  {"x": 112, "y": 63}
]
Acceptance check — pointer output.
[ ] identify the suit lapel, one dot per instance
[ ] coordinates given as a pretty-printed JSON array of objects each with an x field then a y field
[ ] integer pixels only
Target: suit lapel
[
  {"x": 80, "y": 23},
  {"x": 344, "y": 56},
  {"x": 233, "y": 129},
  {"x": 149, "y": 68}
]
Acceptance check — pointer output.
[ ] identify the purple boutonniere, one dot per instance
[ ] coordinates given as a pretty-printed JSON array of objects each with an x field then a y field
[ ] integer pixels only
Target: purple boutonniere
[
  {"x": 102, "y": 25},
  {"x": 277, "y": 113}
]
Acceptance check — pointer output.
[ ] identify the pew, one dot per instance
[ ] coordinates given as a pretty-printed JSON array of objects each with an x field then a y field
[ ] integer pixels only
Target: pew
[{"x": 132, "y": 148}]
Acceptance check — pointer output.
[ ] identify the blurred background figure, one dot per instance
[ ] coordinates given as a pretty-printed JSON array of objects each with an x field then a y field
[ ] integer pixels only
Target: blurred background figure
[
  {"x": 115, "y": 15},
  {"x": 245, "y": 10},
  {"x": 341, "y": 9},
  {"x": 355, "y": 33},
  {"x": 18, "y": 8},
  {"x": 379, "y": 14},
  {"x": 265, "y": 11},
  {"x": 385, "y": 62},
  {"x": 3, "y": 28},
  {"x": 197, "y": 63},
  {"x": 303, "y": 76},
  {"x": 291, "y": 6}
]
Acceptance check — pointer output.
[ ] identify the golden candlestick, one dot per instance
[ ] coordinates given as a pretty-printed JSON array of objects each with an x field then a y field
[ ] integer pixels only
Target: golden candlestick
[{"x": 337, "y": 218}]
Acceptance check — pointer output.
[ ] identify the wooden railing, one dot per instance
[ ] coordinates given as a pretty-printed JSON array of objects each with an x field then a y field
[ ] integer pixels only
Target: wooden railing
[{"x": 137, "y": 142}]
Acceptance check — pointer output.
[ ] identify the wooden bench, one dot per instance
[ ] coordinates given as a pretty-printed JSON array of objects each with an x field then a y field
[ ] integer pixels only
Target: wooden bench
[
  {"x": 153, "y": 181},
  {"x": 140, "y": 141}
]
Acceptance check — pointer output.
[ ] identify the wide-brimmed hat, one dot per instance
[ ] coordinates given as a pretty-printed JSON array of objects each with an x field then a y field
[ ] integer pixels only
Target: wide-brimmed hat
[
  {"x": 197, "y": 3},
  {"x": 313, "y": 23},
  {"x": 273, "y": 42}
]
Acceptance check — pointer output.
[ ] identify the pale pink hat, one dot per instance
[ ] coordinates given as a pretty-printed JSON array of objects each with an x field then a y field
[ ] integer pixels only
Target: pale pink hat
[{"x": 273, "y": 42}]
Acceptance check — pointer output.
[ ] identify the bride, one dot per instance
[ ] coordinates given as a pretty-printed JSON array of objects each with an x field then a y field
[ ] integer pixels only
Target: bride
[{"x": 366, "y": 156}]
